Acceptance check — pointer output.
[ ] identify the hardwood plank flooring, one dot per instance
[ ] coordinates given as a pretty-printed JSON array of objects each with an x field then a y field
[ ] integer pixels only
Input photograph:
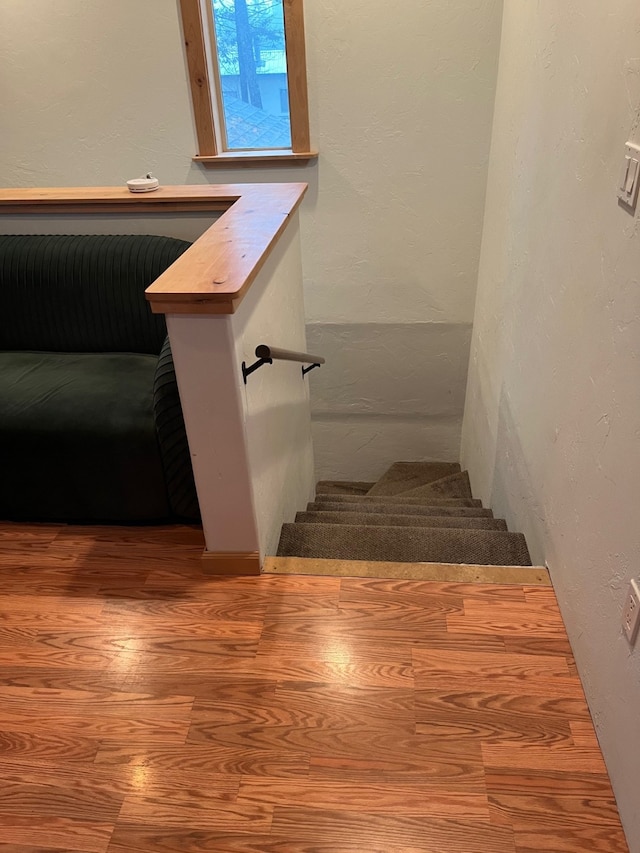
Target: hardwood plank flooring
[{"x": 148, "y": 708}]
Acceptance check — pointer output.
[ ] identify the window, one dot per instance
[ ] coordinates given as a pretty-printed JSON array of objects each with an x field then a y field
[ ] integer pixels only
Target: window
[{"x": 247, "y": 71}]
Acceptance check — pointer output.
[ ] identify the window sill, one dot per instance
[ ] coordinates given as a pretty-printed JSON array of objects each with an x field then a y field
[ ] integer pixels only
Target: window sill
[{"x": 254, "y": 158}]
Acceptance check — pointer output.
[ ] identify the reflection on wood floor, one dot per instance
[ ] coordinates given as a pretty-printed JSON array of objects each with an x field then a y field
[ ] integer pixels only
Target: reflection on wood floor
[{"x": 146, "y": 707}]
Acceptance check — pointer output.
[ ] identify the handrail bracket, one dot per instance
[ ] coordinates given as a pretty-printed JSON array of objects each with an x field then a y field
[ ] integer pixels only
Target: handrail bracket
[{"x": 247, "y": 371}]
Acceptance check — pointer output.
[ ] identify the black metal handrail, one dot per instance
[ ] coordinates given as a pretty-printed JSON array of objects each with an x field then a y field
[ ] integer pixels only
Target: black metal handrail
[{"x": 267, "y": 355}]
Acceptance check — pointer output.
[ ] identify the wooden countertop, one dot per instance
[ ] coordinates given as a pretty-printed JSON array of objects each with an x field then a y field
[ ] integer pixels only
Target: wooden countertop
[{"x": 215, "y": 273}]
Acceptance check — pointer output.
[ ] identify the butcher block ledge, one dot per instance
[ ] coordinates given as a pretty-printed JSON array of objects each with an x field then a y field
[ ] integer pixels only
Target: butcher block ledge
[{"x": 214, "y": 275}]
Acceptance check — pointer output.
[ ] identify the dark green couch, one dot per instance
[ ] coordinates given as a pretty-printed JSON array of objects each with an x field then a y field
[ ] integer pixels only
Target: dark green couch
[{"x": 91, "y": 428}]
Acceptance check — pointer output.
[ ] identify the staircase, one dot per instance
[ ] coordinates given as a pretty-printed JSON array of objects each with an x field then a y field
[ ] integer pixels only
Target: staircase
[{"x": 416, "y": 512}]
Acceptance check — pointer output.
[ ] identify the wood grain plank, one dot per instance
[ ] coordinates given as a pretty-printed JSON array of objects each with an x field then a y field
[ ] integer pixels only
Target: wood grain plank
[
  {"x": 367, "y": 797},
  {"x": 183, "y": 581},
  {"x": 558, "y": 756},
  {"x": 350, "y": 740},
  {"x": 348, "y": 700},
  {"x": 428, "y": 834},
  {"x": 433, "y": 763},
  {"x": 196, "y": 809},
  {"x": 415, "y": 591},
  {"x": 339, "y": 648},
  {"x": 392, "y": 671},
  {"x": 210, "y": 758},
  {"x": 51, "y": 800},
  {"x": 535, "y": 645},
  {"x": 19, "y": 534},
  {"x": 534, "y": 836},
  {"x": 102, "y": 703},
  {"x": 507, "y": 618},
  {"x": 242, "y": 606},
  {"x": 53, "y": 833},
  {"x": 555, "y": 687},
  {"x": 47, "y": 745},
  {"x": 67, "y": 658},
  {"x": 446, "y": 665},
  {"x": 151, "y": 635},
  {"x": 139, "y": 729},
  {"x": 16, "y": 635},
  {"x": 133, "y": 838},
  {"x": 507, "y": 704},
  {"x": 552, "y": 798},
  {"x": 584, "y": 734},
  {"x": 489, "y": 718},
  {"x": 295, "y": 714}
]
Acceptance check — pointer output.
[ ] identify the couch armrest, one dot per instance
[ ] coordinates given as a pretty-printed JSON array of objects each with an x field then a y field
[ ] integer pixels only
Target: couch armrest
[{"x": 172, "y": 439}]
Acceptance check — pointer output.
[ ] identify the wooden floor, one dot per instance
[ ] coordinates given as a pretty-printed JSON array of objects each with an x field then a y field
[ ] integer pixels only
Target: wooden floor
[{"x": 146, "y": 708}]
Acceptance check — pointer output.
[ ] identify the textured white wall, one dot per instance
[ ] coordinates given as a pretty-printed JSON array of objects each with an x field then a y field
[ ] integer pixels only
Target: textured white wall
[
  {"x": 250, "y": 444},
  {"x": 552, "y": 424},
  {"x": 401, "y": 101},
  {"x": 276, "y": 397}
]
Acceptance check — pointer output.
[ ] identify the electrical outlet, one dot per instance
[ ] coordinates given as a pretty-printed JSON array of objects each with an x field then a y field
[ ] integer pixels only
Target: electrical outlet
[{"x": 631, "y": 612}]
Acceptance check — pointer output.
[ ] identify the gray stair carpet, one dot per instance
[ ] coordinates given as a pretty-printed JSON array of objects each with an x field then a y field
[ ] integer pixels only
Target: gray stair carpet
[
  {"x": 418, "y": 512},
  {"x": 402, "y": 476},
  {"x": 392, "y": 500},
  {"x": 384, "y": 520},
  {"x": 453, "y": 486},
  {"x": 403, "y": 544},
  {"x": 342, "y": 487},
  {"x": 400, "y": 509}
]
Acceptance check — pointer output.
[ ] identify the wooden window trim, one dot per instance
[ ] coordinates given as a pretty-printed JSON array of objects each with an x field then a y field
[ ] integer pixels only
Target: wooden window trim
[
  {"x": 193, "y": 31},
  {"x": 205, "y": 90}
]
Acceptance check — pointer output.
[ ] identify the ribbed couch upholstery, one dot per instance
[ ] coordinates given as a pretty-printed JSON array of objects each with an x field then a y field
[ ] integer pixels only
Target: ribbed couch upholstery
[{"x": 91, "y": 427}]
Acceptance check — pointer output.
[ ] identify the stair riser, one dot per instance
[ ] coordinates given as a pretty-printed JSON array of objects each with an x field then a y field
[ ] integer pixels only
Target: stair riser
[
  {"x": 408, "y": 475},
  {"x": 383, "y": 520},
  {"x": 399, "y": 499},
  {"x": 400, "y": 509},
  {"x": 455, "y": 486},
  {"x": 403, "y": 545},
  {"x": 346, "y": 487}
]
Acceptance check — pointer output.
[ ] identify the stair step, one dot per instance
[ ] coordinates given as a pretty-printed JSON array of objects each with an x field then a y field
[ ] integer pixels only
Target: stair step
[
  {"x": 383, "y": 520},
  {"x": 398, "y": 499},
  {"x": 408, "y": 475},
  {"x": 393, "y": 500},
  {"x": 400, "y": 509},
  {"x": 342, "y": 487},
  {"x": 403, "y": 544},
  {"x": 454, "y": 486}
]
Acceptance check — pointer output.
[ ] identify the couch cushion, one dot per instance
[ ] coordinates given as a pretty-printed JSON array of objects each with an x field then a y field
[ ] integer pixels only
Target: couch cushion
[
  {"x": 84, "y": 293},
  {"x": 77, "y": 438}
]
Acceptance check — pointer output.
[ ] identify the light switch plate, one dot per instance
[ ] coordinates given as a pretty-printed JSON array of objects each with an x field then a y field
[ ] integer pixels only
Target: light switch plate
[{"x": 629, "y": 175}]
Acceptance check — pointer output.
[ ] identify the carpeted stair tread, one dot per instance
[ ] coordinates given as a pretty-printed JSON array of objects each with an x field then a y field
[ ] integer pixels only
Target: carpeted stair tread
[
  {"x": 454, "y": 486},
  {"x": 402, "y": 476},
  {"x": 383, "y": 520},
  {"x": 404, "y": 544},
  {"x": 393, "y": 500},
  {"x": 342, "y": 487},
  {"x": 400, "y": 509}
]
